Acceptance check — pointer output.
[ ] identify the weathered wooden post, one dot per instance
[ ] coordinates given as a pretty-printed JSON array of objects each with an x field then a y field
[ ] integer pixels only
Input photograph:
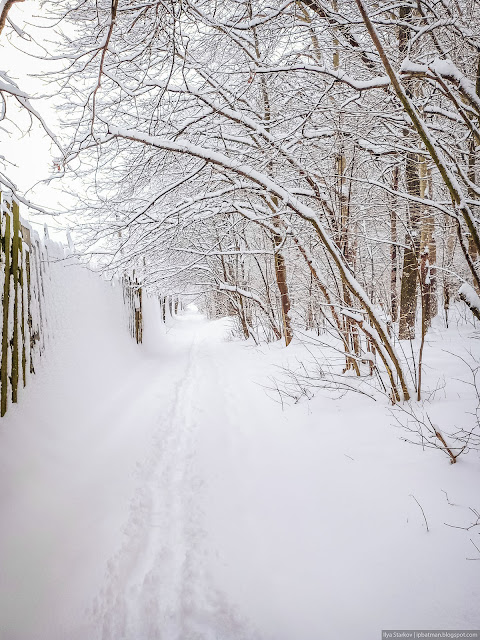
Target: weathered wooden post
[
  {"x": 5, "y": 308},
  {"x": 15, "y": 270},
  {"x": 25, "y": 297}
]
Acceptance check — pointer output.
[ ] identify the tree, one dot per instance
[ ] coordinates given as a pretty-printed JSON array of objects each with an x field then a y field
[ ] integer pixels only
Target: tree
[{"x": 207, "y": 132}]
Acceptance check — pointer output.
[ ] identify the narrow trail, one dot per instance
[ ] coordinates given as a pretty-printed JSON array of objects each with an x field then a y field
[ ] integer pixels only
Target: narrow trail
[
  {"x": 157, "y": 584},
  {"x": 115, "y": 541}
]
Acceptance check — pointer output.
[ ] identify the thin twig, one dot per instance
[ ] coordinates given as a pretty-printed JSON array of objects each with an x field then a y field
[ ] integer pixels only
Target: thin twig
[{"x": 423, "y": 512}]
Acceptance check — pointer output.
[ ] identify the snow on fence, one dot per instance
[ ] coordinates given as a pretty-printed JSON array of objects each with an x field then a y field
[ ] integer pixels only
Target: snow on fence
[
  {"x": 132, "y": 296},
  {"x": 25, "y": 275},
  {"x": 23, "y": 262}
]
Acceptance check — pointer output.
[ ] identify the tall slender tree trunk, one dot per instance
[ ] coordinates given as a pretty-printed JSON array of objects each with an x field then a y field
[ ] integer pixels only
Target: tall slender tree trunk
[
  {"x": 449, "y": 252},
  {"x": 472, "y": 152},
  {"x": 279, "y": 259},
  {"x": 352, "y": 339},
  {"x": 408, "y": 292},
  {"x": 428, "y": 253},
  {"x": 350, "y": 329},
  {"x": 281, "y": 277},
  {"x": 472, "y": 176},
  {"x": 411, "y": 254},
  {"x": 393, "y": 249}
]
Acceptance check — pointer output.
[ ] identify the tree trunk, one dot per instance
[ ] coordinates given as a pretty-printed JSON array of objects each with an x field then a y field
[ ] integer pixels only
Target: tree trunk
[
  {"x": 281, "y": 277},
  {"x": 350, "y": 329},
  {"x": 472, "y": 247},
  {"x": 408, "y": 292},
  {"x": 393, "y": 249},
  {"x": 449, "y": 252},
  {"x": 429, "y": 248}
]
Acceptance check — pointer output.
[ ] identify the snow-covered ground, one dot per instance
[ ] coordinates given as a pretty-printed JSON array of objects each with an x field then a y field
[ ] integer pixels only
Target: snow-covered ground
[{"x": 159, "y": 493}]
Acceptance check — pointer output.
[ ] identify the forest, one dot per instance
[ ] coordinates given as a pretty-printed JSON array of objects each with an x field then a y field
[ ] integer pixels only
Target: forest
[{"x": 241, "y": 283}]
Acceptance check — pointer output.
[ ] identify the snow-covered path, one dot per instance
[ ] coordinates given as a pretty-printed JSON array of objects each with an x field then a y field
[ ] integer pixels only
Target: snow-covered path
[
  {"x": 157, "y": 585},
  {"x": 101, "y": 524},
  {"x": 168, "y": 580},
  {"x": 181, "y": 503}
]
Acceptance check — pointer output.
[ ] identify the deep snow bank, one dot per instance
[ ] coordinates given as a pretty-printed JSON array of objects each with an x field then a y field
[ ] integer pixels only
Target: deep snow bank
[
  {"x": 55, "y": 443},
  {"x": 315, "y": 529}
]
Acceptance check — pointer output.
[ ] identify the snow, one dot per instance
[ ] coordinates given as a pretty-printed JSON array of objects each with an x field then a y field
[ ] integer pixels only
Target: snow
[
  {"x": 54, "y": 496},
  {"x": 468, "y": 293},
  {"x": 408, "y": 66},
  {"x": 357, "y": 317},
  {"x": 304, "y": 211},
  {"x": 377, "y": 82},
  {"x": 159, "y": 492},
  {"x": 447, "y": 69}
]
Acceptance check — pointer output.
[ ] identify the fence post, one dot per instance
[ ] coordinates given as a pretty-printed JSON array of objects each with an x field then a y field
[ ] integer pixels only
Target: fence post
[
  {"x": 16, "y": 240},
  {"x": 6, "y": 306},
  {"x": 31, "y": 331}
]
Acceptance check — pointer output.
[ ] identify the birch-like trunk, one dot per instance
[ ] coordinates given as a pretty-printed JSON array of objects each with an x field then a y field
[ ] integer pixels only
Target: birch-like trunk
[
  {"x": 428, "y": 252},
  {"x": 408, "y": 292},
  {"x": 394, "y": 249}
]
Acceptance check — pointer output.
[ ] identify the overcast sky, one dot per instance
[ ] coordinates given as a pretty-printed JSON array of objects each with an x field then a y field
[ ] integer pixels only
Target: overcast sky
[{"x": 31, "y": 152}]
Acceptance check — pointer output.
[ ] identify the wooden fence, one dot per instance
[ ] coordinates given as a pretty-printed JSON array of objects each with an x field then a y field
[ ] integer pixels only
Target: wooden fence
[
  {"x": 23, "y": 263},
  {"x": 132, "y": 296},
  {"x": 25, "y": 273}
]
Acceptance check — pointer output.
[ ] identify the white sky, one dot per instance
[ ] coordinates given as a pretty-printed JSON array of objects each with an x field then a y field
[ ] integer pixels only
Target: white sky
[{"x": 31, "y": 152}]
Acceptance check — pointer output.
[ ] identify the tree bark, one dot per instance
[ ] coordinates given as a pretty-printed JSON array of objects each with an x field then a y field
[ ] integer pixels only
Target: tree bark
[
  {"x": 393, "y": 249},
  {"x": 429, "y": 248},
  {"x": 408, "y": 292},
  {"x": 281, "y": 277}
]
